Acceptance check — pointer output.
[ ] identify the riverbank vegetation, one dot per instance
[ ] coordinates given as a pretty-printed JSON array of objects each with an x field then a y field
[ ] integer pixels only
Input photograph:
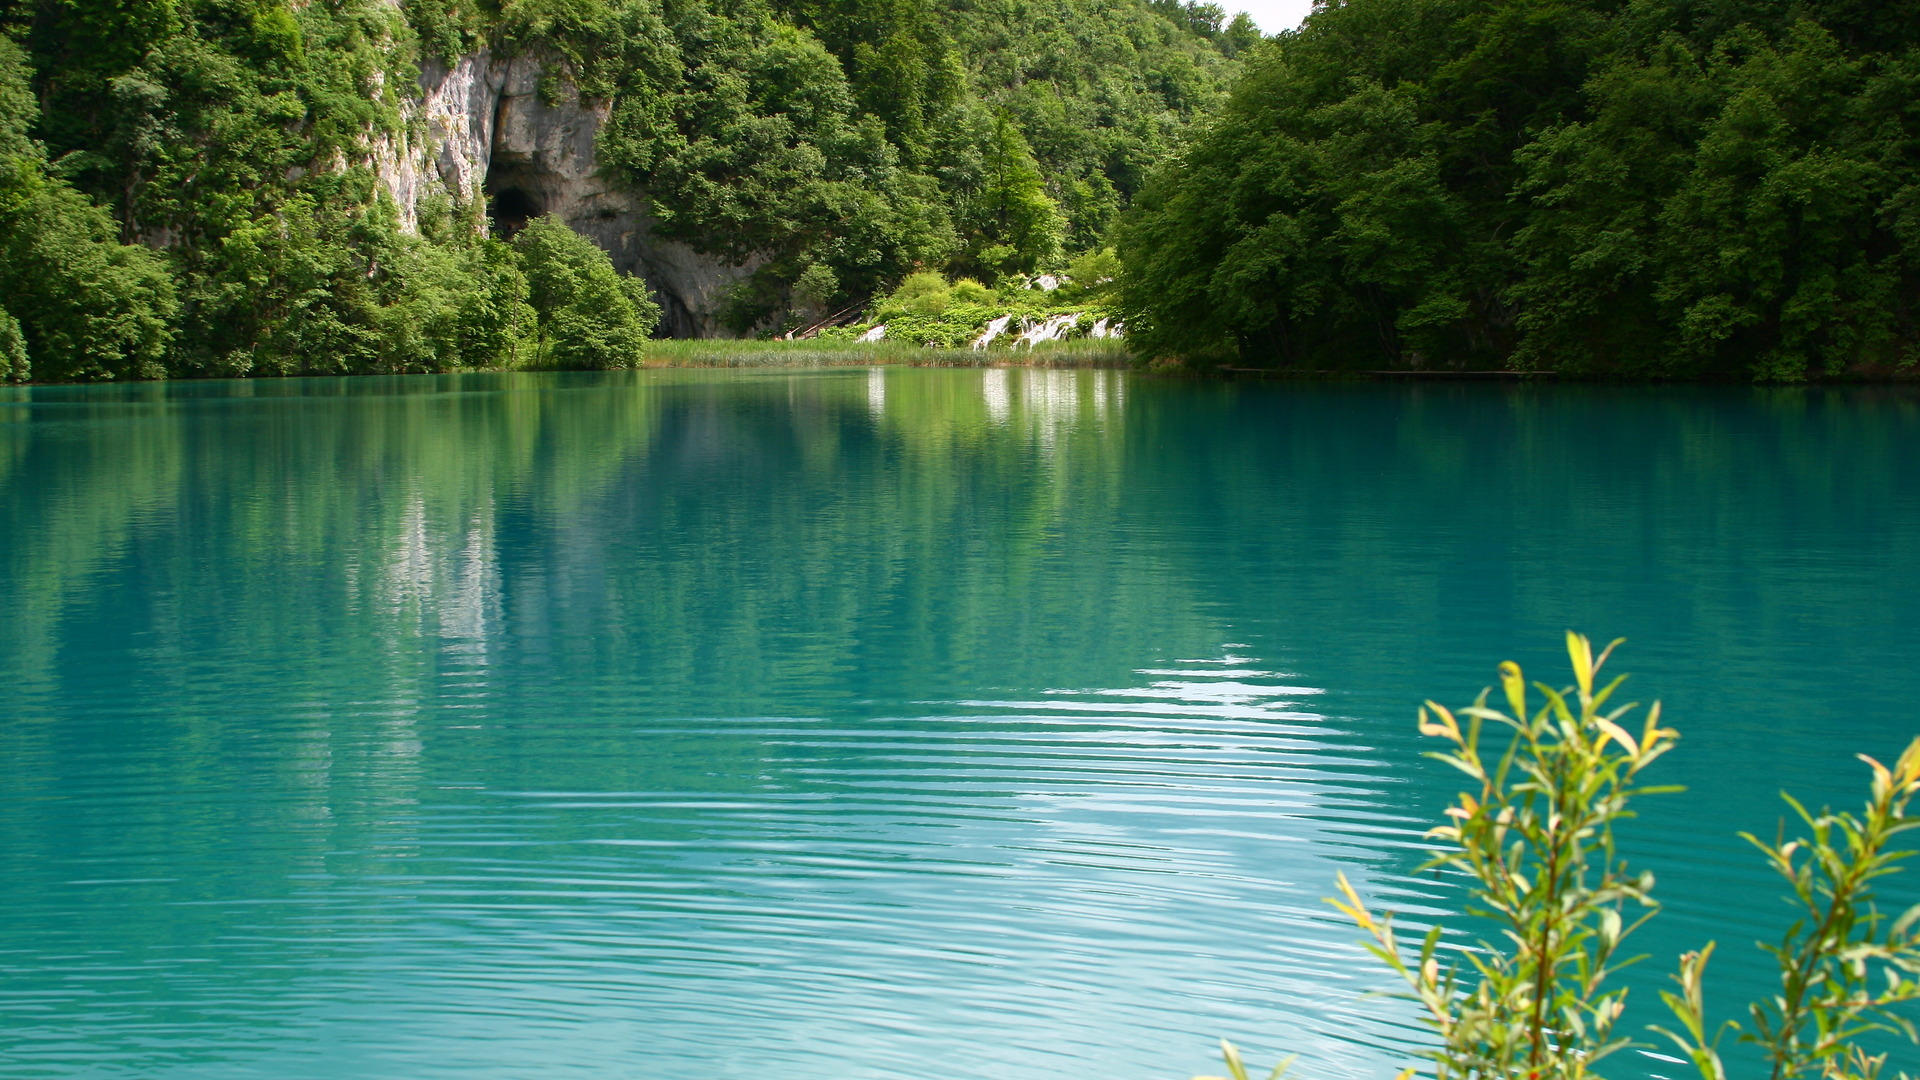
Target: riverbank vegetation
[
  {"x": 735, "y": 352},
  {"x": 931, "y": 311},
  {"x": 1657, "y": 188},
  {"x": 1663, "y": 188},
  {"x": 189, "y": 187},
  {"x": 1532, "y": 845}
]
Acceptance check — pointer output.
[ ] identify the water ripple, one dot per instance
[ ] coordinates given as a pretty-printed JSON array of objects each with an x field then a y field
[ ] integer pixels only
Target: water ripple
[{"x": 893, "y": 885}]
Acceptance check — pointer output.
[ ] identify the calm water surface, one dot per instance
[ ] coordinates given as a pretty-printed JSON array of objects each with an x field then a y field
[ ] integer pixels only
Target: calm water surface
[{"x": 848, "y": 724}]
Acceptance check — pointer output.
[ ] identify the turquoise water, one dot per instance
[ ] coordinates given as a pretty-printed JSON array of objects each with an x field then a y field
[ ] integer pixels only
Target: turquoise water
[{"x": 848, "y": 724}]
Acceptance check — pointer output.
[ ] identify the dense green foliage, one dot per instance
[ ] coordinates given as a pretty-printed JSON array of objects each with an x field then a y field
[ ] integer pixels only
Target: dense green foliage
[
  {"x": 187, "y": 186},
  {"x": 197, "y": 201},
  {"x": 587, "y": 315},
  {"x": 867, "y": 138},
  {"x": 1648, "y": 187},
  {"x": 76, "y": 301}
]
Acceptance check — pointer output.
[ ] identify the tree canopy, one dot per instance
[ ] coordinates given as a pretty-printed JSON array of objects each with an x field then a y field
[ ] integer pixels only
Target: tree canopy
[
  {"x": 1653, "y": 187},
  {"x": 187, "y": 186}
]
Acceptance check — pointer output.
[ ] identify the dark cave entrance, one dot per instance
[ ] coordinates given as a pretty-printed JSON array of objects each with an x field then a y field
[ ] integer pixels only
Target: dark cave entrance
[{"x": 509, "y": 210}]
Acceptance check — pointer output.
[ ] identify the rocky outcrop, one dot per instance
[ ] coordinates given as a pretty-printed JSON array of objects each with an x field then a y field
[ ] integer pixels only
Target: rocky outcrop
[{"x": 483, "y": 130}]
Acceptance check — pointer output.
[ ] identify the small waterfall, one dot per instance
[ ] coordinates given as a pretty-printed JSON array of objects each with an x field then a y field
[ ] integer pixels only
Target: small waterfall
[
  {"x": 1053, "y": 328},
  {"x": 878, "y": 333},
  {"x": 1099, "y": 328},
  {"x": 994, "y": 329},
  {"x": 1046, "y": 282}
]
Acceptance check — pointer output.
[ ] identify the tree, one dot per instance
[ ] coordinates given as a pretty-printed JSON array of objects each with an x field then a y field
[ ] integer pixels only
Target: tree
[
  {"x": 1569, "y": 185},
  {"x": 1018, "y": 226},
  {"x": 587, "y": 315},
  {"x": 80, "y": 304}
]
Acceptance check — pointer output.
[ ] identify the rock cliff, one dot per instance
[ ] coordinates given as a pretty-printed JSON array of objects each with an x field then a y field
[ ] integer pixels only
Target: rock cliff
[{"x": 482, "y": 129}]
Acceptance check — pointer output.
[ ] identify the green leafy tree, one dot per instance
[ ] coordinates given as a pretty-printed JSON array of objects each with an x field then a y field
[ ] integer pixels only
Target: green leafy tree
[
  {"x": 80, "y": 304},
  {"x": 587, "y": 315},
  {"x": 1017, "y": 226},
  {"x": 14, "y": 365}
]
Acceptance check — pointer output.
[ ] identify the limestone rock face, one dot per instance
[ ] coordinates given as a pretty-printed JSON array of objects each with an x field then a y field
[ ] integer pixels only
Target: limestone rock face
[{"x": 482, "y": 130}]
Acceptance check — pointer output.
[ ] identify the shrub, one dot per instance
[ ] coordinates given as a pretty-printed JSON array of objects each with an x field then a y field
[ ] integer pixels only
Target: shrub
[
  {"x": 85, "y": 305},
  {"x": 969, "y": 291},
  {"x": 456, "y": 307},
  {"x": 13, "y": 350},
  {"x": 923, "y": 293},
  {"x": 587, "y": 315},
  {"x": 91, "y": 307},
  {"x": 816, "y": 287}
]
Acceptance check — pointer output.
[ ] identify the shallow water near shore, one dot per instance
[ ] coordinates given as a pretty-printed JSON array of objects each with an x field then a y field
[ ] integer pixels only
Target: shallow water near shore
[{"x": 842, "y": 724}]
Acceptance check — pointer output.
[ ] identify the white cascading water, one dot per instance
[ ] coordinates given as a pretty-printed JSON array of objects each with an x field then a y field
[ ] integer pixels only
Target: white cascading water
[
  {"x": 1051, "y": 329},
  {"x": 878, "y": 333},
  {"x": 994, "y": 329},
  {"x": 1099, "y": 329}
]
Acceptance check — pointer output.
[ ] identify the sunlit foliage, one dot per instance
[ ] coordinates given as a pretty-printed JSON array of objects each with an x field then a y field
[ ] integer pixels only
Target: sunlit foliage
[{"x": 189, "y": 184}]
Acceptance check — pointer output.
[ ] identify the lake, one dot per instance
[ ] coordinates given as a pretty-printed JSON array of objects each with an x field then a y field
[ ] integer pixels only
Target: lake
[{"x": 1003, "y": 724}]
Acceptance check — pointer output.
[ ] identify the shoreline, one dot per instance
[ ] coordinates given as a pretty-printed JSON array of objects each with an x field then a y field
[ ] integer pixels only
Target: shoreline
[{"x": 1081, "y": 354}]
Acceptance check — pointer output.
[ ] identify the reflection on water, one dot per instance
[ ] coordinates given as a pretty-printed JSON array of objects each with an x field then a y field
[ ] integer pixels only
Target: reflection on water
[{"x": 858, "y": 723}]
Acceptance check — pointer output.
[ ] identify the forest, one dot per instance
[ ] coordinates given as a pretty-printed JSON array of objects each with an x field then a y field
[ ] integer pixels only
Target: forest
[
  {"x": 191, "y": 187},
  {"x": 1654, "y": 188}
]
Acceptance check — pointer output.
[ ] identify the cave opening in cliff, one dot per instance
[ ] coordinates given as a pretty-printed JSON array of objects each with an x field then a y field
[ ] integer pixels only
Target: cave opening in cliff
[{"x": 509, "y": 210}]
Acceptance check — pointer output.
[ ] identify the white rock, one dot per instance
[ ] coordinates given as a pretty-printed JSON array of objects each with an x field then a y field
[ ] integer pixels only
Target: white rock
[{"x": 480, "y": 127}]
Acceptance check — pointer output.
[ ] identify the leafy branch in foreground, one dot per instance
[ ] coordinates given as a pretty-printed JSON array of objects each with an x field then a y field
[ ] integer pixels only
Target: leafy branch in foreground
[
  {"x": 1831, "y": 955},
  {"x": 1535, "y": 844}
]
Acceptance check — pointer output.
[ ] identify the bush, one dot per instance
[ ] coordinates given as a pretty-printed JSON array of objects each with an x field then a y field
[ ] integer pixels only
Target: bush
[
  {"x": 922, "y": 293},
  {"x": 90, "y": 307},
  {"x": 456, "y": 308},
  {"x": 587, "y": 315},
  {"x": 816, "y": 287},
  {"x": 13, "y": 350},
  {"x": 83, "y": 304},
  {"x": 969, "y": 291}
]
